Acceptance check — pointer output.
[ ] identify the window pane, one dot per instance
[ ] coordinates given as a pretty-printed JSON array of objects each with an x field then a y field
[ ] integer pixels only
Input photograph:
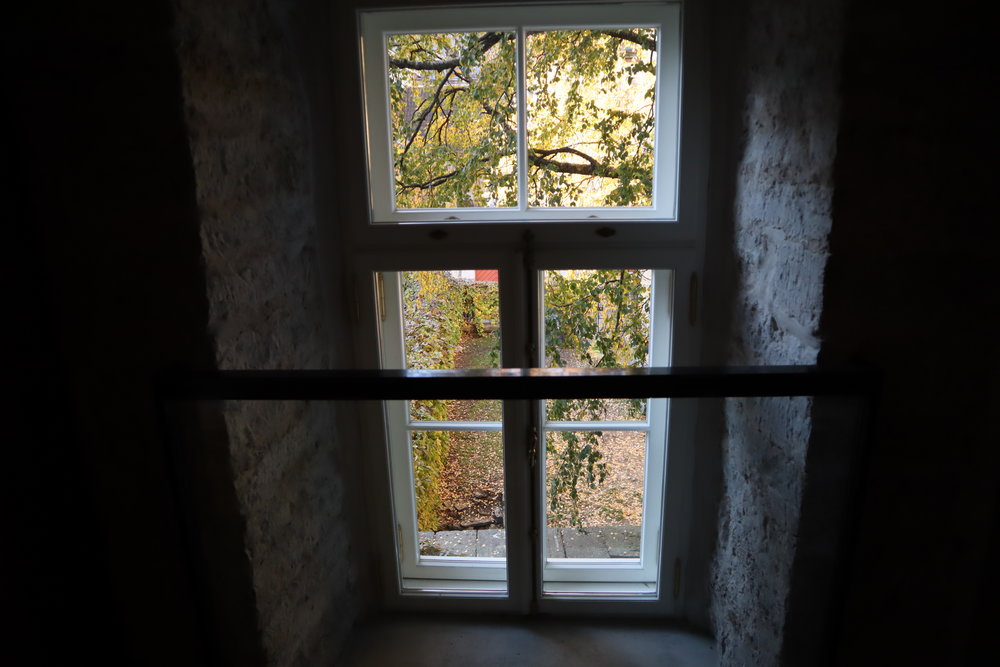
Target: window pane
[
  {"x": 595, "y": 500},
  {"x": 597, "y": 319},
  {"x": 453, "y": 119},
  {"x": 456, "y": 411},
  {"x": 591, "y": 117},
  {"x": 451, "y": 319},
  {"x": 459, "y": 480}
]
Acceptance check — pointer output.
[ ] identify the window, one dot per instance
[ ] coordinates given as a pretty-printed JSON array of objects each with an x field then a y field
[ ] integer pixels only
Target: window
[
  {"x": 527, "y": 199},
  {"x": 479, "y": 114}
]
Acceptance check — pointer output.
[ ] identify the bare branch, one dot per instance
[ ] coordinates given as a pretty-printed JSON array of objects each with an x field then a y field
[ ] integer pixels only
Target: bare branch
[
  {"x": 435, "y": 101},
  {"x": 486, "y": 42}
]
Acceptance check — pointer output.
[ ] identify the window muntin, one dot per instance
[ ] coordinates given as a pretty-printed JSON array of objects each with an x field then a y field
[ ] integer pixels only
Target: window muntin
[{"x": 545, "y": 187}]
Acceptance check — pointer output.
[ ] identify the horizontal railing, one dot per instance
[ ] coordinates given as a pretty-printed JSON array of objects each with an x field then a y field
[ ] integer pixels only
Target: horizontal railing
[
  {"x": 192, "y": 468},
  {"x": 518, "y": 383}
]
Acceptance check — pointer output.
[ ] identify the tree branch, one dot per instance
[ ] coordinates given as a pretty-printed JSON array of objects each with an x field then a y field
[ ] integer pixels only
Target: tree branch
[
  {"x": 486, "y": 42},
  {"x": 434, "y": 102},
  {"x": 540, "y": 158},
  {"x": 648, "y": 43},
  {"x": 429, "y": 183}
]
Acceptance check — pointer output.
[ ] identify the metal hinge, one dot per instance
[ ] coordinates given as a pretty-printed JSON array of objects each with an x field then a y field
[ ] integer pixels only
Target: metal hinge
[
  {"x": 533, "y": 447},
  {"x": 380, "y": 296}
]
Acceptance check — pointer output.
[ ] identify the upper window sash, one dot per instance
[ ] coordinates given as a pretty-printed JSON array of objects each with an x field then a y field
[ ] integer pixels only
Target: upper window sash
[{"x": 377, "y": 27}]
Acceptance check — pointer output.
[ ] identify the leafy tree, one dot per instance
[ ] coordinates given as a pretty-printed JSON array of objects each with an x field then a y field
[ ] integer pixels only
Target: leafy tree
[
  {"x": 432, "y": 328},
  {"x": 590, "y": 101}
]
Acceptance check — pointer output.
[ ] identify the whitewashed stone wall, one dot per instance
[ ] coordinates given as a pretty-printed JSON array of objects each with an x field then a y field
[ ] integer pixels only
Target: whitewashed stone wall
[{"x": 782, "y": 217}]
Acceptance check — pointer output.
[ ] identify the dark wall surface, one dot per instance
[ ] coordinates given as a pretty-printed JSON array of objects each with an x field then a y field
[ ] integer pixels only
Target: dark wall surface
[
  {"x": 105, "y": 289},
  {"x": 911, "y": 289}
]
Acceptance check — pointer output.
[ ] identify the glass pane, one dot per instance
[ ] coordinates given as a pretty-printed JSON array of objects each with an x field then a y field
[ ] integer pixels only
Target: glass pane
[
  {"x": 594, "y": 493},
  {"x": 451, "y": 319},
  {"x": 459, "y": 479},
  {"x": 453, "y": 119},
  {"x": 591, "y": 116},
  {"x": 597, "y": 319}
]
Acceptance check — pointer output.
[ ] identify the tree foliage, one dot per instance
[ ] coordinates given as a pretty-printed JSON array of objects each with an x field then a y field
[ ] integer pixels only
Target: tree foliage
[
  {"x": 593, "y": 319},
  {"x": 432, "y": 314},
  {"x": 590, "y": 119}
]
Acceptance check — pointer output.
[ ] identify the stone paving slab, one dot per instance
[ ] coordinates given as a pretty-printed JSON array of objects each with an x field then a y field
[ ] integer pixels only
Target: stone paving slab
[
  {"x": 586, "y": 544},
  {"x": 593, "y": 542},
  {"x": 448, "y": 543}
]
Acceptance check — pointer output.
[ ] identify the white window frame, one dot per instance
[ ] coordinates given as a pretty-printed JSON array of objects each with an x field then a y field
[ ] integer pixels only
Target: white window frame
[
  {"x": 375, "y": 26},
  {"x": 372, "y": 245},
  {"x": 422, "y": 572}
]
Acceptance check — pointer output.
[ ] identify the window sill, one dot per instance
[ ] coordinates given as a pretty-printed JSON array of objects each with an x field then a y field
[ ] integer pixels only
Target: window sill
[{"x": 453, "y": 588}]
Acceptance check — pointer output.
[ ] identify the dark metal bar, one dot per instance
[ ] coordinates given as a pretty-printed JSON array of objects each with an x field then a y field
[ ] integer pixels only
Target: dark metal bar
[{"x": 514, "y": 383}]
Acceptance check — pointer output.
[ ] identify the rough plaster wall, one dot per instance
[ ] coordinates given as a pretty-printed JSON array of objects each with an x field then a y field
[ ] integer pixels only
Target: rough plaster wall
[
  {"x": 249, "y": 140},
  {"x": 781, "y": 222}
]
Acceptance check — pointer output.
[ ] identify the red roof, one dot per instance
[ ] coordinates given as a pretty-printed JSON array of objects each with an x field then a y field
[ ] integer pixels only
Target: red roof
[{"x": 487, "y": 275}]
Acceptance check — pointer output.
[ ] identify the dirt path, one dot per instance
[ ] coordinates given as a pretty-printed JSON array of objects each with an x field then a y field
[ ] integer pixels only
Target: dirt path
[{"x": 472, "y": 480}]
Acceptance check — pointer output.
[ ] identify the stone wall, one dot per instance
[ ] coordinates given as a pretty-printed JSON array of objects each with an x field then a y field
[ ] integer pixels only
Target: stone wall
[
  {"x": 783, "y": 197},
  {"x": 250, "y": 139}
]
